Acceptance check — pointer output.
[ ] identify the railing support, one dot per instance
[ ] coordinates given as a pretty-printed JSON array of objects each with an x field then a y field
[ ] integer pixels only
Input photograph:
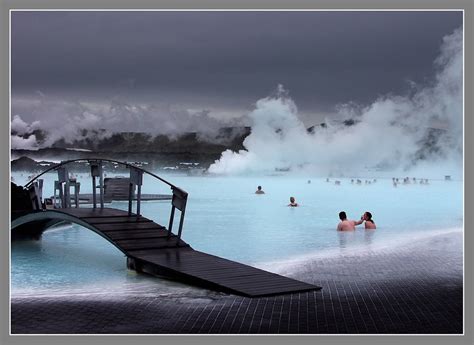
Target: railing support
[
  {"x": 57, "y": 188},
  {"x": 170, "y": 226},
  {"x": 136, "y": 179},
  {"x": 94, "y": 193},
  {"x": 180, "y": 198},
  {"x": 180, "y": 229},
  {"x": 96, "y": 171},
  {"x": 139, "y": 196},
  {"x": 77, "y": 188},
  {"x": 63, "y": 177},
  {"x": 101, "y": 186},
  {"x": 130, "y": 198}
]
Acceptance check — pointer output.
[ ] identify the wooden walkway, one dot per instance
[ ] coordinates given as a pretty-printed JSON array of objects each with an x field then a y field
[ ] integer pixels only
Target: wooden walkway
[{"x": 150, "y": 250}]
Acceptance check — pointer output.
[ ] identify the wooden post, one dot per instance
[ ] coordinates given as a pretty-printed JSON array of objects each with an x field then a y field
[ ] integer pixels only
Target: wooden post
[
  {"x": 77, "y": 187},
  {"x": 180, "y": 229},
  {"x": 61, "y": 194},
  {"x": 67, "y": 194},
  {"x": 136, "y": 178},
  {"x": 57, "y": 188},
  {"x": 139, "y": 194},
  {"x": 170, "y": 226},
  {"x": 96, "y": 171},
  {"x": 63, "y": 177},
  {"x": 101, "y": 181},
  {"x": 40, "y": 190},
  {"x": 94, "y": 193},
  {"x": 130, "y": 197}
]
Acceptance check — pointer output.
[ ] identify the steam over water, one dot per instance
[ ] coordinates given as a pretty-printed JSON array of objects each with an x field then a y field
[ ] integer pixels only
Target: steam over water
[{"x": 414, "y": 132}]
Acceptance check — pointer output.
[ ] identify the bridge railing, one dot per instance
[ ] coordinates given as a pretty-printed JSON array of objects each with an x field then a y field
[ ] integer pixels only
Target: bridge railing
[{"x": 62, "y": 189}]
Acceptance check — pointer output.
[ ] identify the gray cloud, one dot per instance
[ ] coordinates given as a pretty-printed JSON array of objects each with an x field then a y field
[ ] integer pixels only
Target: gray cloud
[{"x": 225, "y": 60}]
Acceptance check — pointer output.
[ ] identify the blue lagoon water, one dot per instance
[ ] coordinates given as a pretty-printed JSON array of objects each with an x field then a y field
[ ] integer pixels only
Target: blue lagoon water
[{"x": 224, "y": 217}]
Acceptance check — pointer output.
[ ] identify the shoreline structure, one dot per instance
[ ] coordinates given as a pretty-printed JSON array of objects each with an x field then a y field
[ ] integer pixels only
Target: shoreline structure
[{"x": 411, "y": 289}]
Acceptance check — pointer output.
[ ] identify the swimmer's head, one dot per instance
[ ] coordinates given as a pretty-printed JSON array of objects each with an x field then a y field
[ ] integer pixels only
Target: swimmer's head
[
  {"x": 342, "y": 215},
  {"x": 292, "y": 199}
]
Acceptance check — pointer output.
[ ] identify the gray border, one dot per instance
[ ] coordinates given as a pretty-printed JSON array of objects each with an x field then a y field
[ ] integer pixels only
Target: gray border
[{"x": 5, "y": 5}]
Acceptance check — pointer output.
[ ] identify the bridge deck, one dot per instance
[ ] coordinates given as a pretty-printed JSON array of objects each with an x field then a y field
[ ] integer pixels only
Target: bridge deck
[{"x": 151, "y": 250}]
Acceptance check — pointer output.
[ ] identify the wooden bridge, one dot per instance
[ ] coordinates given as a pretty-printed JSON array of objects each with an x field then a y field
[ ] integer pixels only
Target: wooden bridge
[{"x": 150, "y": 248}]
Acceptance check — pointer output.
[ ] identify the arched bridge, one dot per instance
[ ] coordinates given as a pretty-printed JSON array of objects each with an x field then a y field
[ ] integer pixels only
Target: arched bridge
[{"x": 150, "y": 247}]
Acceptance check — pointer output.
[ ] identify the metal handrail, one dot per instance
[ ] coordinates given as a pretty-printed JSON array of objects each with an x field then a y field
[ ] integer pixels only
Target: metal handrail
[
  {"x": 179, "y": 199},
  {"x": 54, "y": 167}
]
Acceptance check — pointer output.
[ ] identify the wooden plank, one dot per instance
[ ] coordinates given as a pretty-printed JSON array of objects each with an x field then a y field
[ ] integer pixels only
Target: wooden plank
[
  {"x": 230, "y": 279},
  {"x": 145, "y": 253},
  {"x": 229, "y": 268},
  {"x": 262, "y": 283},
  {"x": 138, "y": 231},
  {"x": 135, "y": 235},
  {"x": 138, "y": 241},
  {"x": 154, "y": 244},
  {"x": 121, "y": 219},
  {"x": 250, "y": 277},
  {"x": 93, "y": 212},
  {"x": 237, "y": 276},
  {"x": 237, "y": 271},
  {"x": 269, "y": 288},
  {"x": 128, "y": 226},
  {"x": 149, "y": 244},
  {"x": 188, "y": 261}
]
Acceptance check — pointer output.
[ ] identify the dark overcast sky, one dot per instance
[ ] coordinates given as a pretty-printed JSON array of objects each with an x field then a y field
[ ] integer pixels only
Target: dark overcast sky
[{"x": 225, "y": 60}]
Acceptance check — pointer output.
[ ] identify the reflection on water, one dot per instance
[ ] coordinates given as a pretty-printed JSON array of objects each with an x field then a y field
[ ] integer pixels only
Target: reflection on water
[
  {"x": 345, "y": 237},
  {"x": 354, "y": 239},
  {"x": 368, "y": 236}
]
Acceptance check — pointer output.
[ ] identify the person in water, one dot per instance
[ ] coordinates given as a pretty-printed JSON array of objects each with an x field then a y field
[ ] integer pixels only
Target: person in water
[
  {"x": 346, "y": 224},
  {"x": 293, "y": 202},
  {"x": 259, "y": 190},
  {"x": 369, "y": 222}
]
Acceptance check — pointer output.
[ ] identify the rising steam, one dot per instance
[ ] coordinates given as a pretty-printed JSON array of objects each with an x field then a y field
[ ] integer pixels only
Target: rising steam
[
  {"x": 395, "y": 133},
  {"x": 71, "y": 121}
]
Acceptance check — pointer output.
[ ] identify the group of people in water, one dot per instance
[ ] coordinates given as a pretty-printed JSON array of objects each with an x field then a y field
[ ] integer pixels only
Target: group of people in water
[
  {"x": 292, "y": 203},
  {"x": 345, "y": 224},
  {"x": 407, "y": 180},
  {"x": 349, "y": 225}
]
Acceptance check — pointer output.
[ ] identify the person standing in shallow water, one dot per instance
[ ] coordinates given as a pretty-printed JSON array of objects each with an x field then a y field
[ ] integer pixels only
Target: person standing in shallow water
[
  {"x": 293, "y": 202},
  {"x": 259, "y": 190},
  {"x": 369, "y": 223},
  {"x": 346, "y": 224}
]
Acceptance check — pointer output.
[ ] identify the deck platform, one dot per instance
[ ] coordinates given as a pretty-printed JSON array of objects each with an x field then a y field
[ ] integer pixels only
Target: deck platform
[{"x": 149, "y": 249}]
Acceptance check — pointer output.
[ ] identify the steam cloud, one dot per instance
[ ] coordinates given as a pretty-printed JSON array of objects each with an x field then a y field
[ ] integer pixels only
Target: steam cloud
[
  {"x": 71, "y": 121},
  {"x": 395, "y": 133}
]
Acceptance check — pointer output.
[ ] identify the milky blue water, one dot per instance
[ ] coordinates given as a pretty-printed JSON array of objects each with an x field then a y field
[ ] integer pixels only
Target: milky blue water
[{"x": 224, "y": 217}]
